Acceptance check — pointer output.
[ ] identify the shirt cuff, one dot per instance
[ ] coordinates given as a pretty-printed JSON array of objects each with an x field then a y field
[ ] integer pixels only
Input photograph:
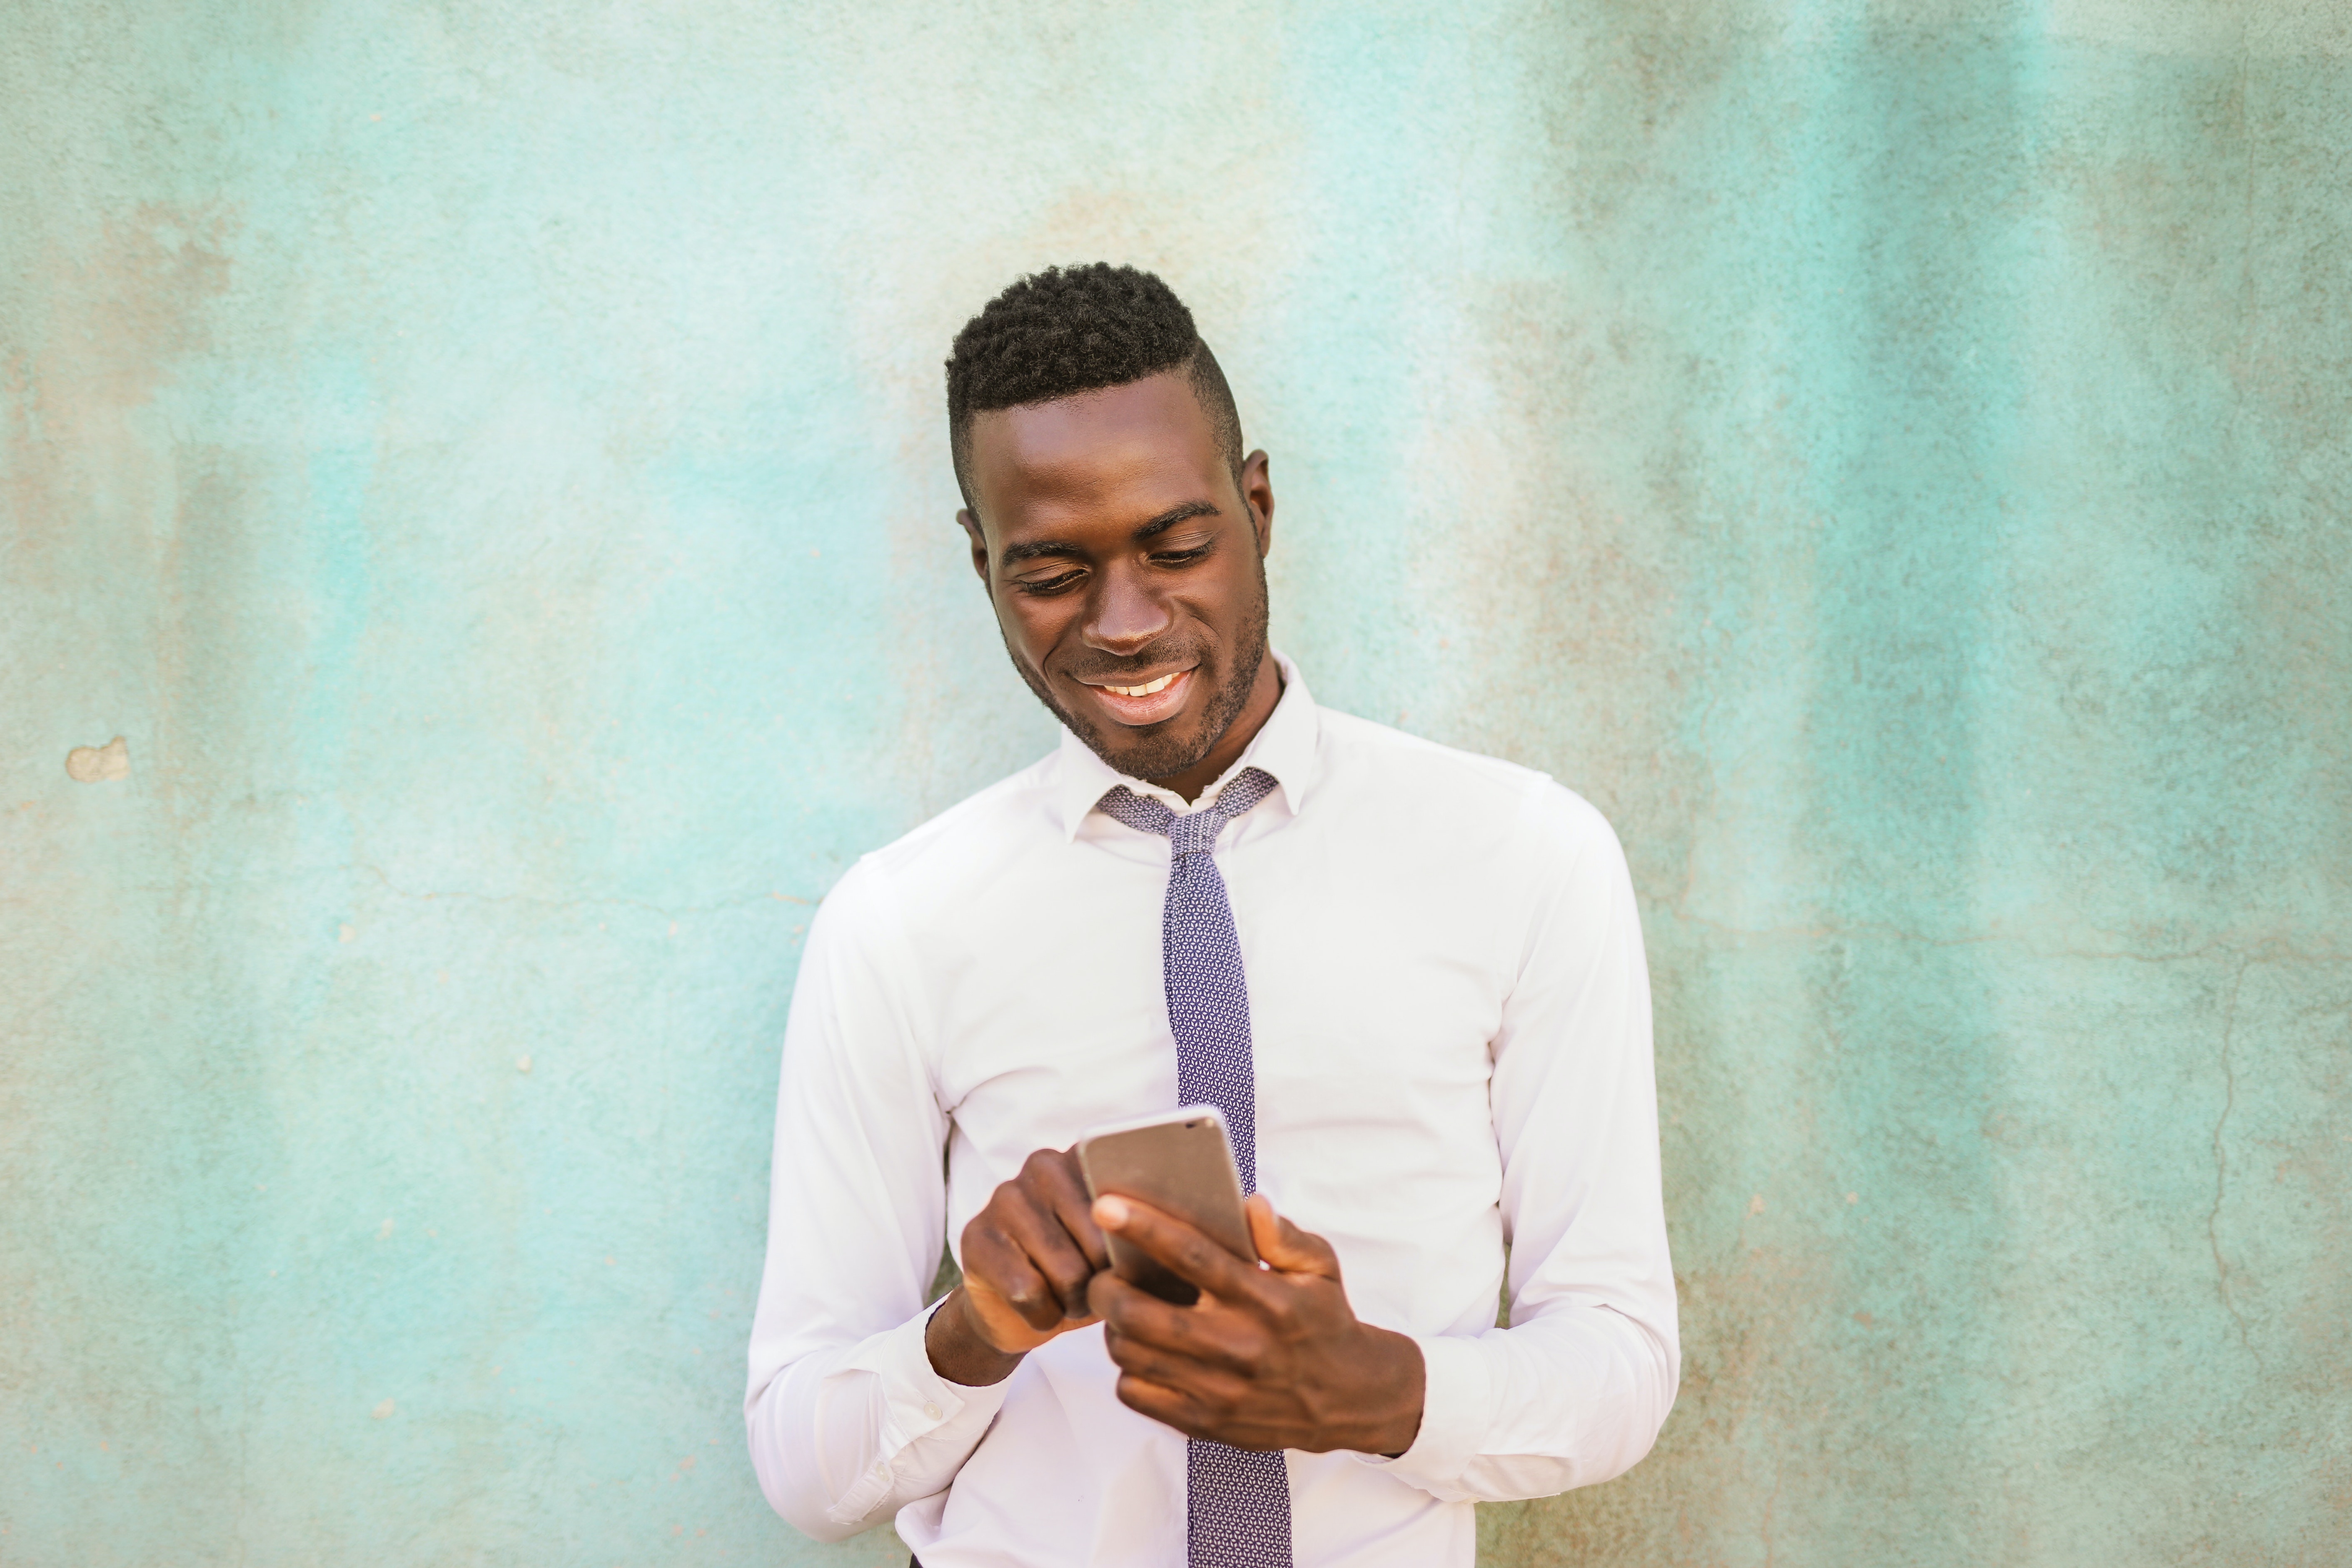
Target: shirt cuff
[
  {"x": 918, "y": 1406},
  {"x": 1454, "y": 1402}
]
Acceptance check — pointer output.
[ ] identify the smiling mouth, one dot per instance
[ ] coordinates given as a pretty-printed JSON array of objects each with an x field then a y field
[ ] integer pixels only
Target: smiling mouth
[
  {"x": 1146, "y": 690},
  {"x": 1146, "y": 702}
]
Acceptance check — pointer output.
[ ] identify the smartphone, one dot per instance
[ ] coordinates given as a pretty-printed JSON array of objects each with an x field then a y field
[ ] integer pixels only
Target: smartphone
[{"x": 1181, "y": 1162}]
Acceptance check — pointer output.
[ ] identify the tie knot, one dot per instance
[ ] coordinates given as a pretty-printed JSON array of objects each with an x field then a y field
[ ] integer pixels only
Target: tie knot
[
  {"x": 1194, "y": 834},
  {"x": 1196, "y": 831}
]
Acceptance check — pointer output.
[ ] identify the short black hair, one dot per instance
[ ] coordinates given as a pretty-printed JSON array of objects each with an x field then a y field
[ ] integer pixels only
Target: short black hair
[{"x": 1069, "y": 329}]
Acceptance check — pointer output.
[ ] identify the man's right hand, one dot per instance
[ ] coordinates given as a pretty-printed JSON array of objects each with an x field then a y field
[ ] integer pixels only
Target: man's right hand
[{"x": 1028, "y": 1258}]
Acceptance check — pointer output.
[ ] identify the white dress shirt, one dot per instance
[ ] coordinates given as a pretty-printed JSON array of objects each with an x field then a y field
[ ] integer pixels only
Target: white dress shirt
[{"x": 1451, "y": 1017}]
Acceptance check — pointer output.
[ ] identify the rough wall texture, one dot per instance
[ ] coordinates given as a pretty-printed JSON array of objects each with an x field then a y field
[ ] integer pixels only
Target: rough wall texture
[{"x": 483, "y": 462}]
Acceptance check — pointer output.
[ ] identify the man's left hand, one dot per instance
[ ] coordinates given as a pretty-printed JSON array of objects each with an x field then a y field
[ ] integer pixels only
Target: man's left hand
[{"x": 1267, "y": 1358}]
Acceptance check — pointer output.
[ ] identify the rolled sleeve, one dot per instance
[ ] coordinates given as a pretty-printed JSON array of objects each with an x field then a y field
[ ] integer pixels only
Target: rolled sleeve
[{"x": 924, "y": 1426}]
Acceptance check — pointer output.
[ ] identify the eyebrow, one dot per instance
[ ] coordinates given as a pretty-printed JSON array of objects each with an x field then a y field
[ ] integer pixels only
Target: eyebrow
[{"x": 1014, "y": 555}]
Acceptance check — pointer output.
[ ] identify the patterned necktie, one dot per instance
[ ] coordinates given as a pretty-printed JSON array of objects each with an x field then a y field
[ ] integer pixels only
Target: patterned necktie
[{"x": 1238, "y": 1501}]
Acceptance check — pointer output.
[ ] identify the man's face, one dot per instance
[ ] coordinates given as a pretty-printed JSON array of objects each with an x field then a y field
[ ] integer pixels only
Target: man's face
[{"x": 1126, "y": 567}]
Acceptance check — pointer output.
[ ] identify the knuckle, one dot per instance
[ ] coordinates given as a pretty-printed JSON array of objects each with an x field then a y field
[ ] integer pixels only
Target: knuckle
[
  {"x": 1288, "y": 1311},
  {"x": 982, "y": 1259}
]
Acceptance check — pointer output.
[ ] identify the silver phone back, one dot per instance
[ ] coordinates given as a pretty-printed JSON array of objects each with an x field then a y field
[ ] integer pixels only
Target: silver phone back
[{"x": 1182, "y": 1166}]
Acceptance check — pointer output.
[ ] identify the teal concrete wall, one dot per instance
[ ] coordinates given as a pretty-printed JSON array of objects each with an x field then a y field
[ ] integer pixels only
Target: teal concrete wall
[{"x": 484, "y": 463}]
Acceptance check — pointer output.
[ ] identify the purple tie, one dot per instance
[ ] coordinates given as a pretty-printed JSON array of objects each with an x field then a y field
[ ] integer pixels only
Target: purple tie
[{"x": 1238, "y": 1500}]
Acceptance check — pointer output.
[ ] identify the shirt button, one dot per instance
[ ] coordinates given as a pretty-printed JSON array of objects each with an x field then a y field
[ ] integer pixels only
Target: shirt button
[{"x": 932, "y": 1411}]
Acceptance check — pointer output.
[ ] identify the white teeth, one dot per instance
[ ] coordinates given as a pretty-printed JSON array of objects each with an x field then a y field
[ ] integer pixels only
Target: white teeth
[{"x": 1159, "y": 685}]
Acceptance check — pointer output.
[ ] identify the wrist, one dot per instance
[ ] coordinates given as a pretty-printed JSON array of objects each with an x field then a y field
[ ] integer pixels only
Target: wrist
[
  {"x": 958, "y": 1349},
  {"x": 1399, "y": 1388}
]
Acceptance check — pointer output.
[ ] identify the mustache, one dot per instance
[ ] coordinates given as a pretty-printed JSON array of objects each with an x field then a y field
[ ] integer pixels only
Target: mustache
[{"x": 1117, "y": 671}]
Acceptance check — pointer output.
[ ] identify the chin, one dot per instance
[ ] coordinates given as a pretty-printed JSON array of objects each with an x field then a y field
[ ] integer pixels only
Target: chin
[
  {"x": 1155, "y": 756},
  {"x": 1169, "y": 747}
]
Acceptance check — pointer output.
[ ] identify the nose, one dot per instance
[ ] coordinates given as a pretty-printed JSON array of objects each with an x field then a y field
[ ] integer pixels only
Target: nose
[{"x": 1125, "y": 615}]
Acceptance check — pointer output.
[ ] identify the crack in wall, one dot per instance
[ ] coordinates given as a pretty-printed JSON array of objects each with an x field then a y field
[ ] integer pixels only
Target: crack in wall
[{"x": 2221, "y": 1161}]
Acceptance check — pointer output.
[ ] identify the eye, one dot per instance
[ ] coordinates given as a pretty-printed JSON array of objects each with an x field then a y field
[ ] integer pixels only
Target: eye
[
  {"x": 1181, "y": 557},
  {"x": 1046, "y": 585}
]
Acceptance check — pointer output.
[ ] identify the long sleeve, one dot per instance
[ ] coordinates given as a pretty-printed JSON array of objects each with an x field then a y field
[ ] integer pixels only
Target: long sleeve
[
  {"x": 847, "y": 1420},
  {"x": 1575, "y": 1390}
]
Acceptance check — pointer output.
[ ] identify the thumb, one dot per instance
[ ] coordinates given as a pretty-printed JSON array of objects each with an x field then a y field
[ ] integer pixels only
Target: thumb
[{"x": 1286, "y": 1247}]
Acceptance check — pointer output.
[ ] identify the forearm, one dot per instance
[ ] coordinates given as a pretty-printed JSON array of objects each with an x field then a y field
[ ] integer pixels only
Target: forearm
[{"x": 841, "y": 1438}]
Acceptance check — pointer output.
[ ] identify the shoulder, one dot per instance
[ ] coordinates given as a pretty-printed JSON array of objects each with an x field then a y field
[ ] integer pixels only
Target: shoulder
[
  {"x": 953, "y": 856},
  {"x": 1513, "y": 806}
]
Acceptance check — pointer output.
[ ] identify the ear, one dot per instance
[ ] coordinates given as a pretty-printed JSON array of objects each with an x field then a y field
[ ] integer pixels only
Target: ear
[
  {"x": 1257, "y": 490},
  {"x": 978, "y": 546}
]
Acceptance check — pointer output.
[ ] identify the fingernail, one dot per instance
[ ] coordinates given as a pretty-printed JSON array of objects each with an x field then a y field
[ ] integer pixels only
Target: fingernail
[{"x": 1111, "y": 1212}]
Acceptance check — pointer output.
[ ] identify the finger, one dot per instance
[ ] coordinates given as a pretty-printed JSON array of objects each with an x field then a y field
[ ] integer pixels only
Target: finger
[
  {"x": 1184, "y": 1411},
  {"x": 1072, "y": 1205},
  {"x": 999, "y": 1265},
  {"x": 1168, "y": 1406},
  {"x": 1211, "y": 1334},
  {"x": 1212, "y": 1388},
  {"x": 1286, "y": 1247},
  {"x": 1050, "y": 1248},
  {"x": 1179, "y": 1247}
]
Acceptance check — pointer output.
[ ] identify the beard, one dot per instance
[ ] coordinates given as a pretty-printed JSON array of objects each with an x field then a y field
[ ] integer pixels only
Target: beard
[{"x": 1160, "y": 755}]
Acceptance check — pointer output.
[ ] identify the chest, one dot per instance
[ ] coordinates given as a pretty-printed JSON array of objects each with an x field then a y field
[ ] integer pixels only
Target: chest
[{"x": 1374, "y": 982}]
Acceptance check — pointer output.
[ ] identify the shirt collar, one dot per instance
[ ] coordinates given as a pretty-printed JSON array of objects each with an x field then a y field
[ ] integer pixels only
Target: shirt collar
[{"x": 1284, "y": 746}]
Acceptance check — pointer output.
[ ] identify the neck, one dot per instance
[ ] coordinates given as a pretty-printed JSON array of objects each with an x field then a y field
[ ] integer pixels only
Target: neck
[{"x": 1265, "y": 692}]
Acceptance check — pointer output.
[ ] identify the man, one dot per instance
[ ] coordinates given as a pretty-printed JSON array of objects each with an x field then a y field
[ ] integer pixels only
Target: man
[{"x": 1412, "y": 979}]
